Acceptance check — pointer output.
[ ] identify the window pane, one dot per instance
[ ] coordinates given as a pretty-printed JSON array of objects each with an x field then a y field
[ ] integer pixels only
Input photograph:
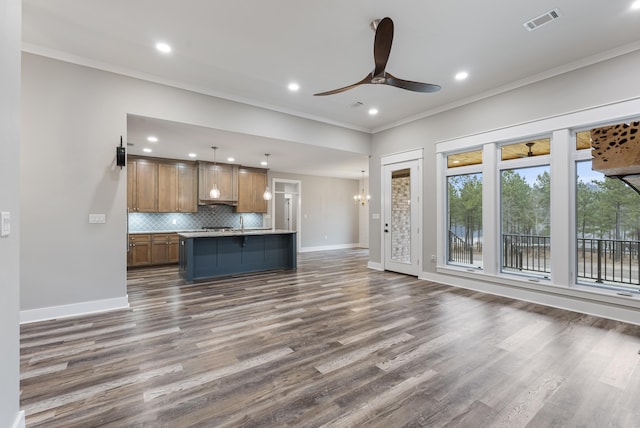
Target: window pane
[
  {"x": 607, "y": 230},
  {"x": 464, "y": 212},
  {"x": 525, "y": 220},
  {"x": 526, "y": 149},
  {"x": 401, "y": 215},
  {"x": 464, "y": 159}
]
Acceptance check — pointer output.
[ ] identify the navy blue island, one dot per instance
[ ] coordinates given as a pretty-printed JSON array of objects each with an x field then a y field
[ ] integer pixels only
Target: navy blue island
[{"x": 212, "y": 254}]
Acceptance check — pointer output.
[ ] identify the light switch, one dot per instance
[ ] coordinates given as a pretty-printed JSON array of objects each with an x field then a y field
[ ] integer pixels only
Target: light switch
[
  {"x": 5, "y": 224},
  {"x": 97, "y": 218},
  {"x": 375, "y": 216}
]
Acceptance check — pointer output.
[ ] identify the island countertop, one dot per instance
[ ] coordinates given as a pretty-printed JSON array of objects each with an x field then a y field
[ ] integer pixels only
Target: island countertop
[{"x": 233, "y": 232}]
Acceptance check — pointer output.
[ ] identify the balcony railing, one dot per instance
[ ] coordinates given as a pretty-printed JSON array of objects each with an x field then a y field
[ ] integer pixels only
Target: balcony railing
[
  {"x": 528, "y": 253},
  {"x": 609, "y": 261}
]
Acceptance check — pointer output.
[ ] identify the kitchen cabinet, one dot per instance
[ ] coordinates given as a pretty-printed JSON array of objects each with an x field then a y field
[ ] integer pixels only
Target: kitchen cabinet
[
  {"x": 164, "y": 248},
  {"x": 142, "y": 185},
  {"x": 139, "y": 250},
  {"x": 226, "y": 178},
  {"x": 177, "y": 187},
  {"x": 251, "y": 185}
]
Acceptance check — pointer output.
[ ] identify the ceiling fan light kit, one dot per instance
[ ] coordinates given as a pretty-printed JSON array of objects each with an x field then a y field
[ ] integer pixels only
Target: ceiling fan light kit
[{"x": 379, "y": 76}]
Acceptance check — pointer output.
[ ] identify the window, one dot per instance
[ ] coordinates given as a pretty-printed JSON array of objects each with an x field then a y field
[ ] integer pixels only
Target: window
[
  {"x": 525, "y": 209},
  {"x": 464, "y": 209},
  {"x": 607, "y": 227},
  {"x": 465, "y": 219}
]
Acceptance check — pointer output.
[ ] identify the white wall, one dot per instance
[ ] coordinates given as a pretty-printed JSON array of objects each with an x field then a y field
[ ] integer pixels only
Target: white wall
[
  {"x": 329, "y": 216},
  {"x": 10, "y": 35},
  {"x": 72, "y": 120},
  {"x": 600, "y": 84}
]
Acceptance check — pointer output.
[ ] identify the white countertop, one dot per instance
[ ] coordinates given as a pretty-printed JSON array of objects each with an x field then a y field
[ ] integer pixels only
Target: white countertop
[{"x": 213, "y": 234}]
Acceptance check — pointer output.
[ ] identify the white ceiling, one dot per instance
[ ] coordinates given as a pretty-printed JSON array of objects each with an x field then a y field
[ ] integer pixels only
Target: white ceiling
[{"x": 249, "y": 50}]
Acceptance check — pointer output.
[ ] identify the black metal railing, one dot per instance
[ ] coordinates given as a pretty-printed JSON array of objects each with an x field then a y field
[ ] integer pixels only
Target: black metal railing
[
  {"x": 460, "y": 251},
  {"x": 608, "y": 261},
  {"x": 531, "y": 253}
]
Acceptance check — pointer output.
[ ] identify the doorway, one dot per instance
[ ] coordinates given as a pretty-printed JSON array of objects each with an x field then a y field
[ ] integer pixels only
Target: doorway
[
  {"x": 402, "y": 238},
  {"x": 286, "y": 206}
]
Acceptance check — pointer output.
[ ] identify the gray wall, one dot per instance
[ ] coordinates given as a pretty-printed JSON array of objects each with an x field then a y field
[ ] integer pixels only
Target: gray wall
[
  {"x": 72, "y": 119},
  {"x": 329, "y": 216},
  {"x": 10, "y": 34},
  {"x": 599, "y": 84}
]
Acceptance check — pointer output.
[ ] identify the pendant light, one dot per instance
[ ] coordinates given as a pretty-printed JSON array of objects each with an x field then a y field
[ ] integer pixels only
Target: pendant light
[
  {"x": 267, "y": 195},
  {"x": 362, "y": 198},
  {"x": 215, "y": 192}
]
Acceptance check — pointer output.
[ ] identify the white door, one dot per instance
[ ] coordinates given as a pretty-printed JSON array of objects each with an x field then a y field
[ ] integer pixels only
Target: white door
[{"x": 402, "y": 217}]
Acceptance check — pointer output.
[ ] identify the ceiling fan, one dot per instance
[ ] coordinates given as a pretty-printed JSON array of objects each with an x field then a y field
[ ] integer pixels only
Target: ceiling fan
[{"x": 379, "y": 76}]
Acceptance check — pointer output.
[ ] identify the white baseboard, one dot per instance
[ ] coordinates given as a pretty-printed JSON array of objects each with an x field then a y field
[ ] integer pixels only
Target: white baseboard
[
  {"x": 19, "y": 422},
  {"x": 327, "y": 248},
  {"x": 375, "y": 265},
  {"x": 72, "y": 310},
  {"x": 579, "y": 302}
]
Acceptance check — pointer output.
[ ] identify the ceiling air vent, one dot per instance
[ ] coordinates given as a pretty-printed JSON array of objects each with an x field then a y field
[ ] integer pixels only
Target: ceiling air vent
[{"x": 541, "y": 20}]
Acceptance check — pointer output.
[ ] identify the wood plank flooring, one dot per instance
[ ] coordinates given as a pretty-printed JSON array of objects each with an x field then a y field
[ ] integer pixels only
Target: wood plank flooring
[{"x": 330, "y": 344}]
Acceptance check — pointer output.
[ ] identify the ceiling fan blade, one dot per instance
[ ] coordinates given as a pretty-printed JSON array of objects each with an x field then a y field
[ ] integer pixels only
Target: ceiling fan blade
[
  {"x": 382, "y": 45},
  {"x": 409, "y": 85},
  {"x": 366, "y": 80}
]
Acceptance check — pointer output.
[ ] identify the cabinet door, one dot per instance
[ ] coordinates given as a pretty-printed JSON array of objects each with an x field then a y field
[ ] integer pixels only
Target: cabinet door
[
  {"x": 139, "y": 250},
  {"x": 187, "y": 189},
  {"x": 174, "y": 249},
  {"x": 146, "y": 192},
  {"x": 167, "y": 188},
  {"x": 160, "y": 252},
  {"x": 251, "y": 185},
  {"x": 259, "y": 186}
]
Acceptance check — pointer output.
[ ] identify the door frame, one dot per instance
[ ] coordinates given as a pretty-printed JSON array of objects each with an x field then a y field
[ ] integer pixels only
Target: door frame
[
  {"x": 416, "y": 194},
  {"x": 298, "y": 207}
]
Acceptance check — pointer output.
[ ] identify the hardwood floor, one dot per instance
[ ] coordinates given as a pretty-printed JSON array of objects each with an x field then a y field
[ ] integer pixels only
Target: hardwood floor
[{"x": 331, "y": 344}]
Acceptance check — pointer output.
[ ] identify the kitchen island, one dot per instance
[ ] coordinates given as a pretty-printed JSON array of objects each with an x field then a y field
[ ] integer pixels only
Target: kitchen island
[{"x": 211, "y": 254}]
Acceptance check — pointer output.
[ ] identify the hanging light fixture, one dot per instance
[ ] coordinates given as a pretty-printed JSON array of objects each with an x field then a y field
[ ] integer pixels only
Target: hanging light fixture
[
  {"x": 267, "y": 195},
  {"x": 215, "y": 192},
  {"x": 362, "y": 198}
]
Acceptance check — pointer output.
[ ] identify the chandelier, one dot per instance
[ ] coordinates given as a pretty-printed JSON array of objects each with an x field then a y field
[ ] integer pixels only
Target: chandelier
[{"x": 362, "y": 198}]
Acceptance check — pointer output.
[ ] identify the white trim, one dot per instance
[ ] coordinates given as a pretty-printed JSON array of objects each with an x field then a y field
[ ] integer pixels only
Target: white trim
[
  {"x": 19, "y": 422},
  {"x": 272, "y": 205},
  {"x": 328, "y": 248},
  {"x": 375, "y": 266},
  {"x": 74, "y": 309},
  {"x": 624, "y": 309},
  {"x": 408, "y": 155}
]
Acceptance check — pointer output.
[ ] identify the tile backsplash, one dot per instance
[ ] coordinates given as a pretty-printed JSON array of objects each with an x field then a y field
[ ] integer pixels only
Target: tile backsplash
[{"x": 208, "y": 215}]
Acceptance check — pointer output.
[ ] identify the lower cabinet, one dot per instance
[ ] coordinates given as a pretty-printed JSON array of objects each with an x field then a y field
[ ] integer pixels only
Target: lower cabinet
[
  {"x": 139, "y": 250},
  {"x": 153, "y": 249}
]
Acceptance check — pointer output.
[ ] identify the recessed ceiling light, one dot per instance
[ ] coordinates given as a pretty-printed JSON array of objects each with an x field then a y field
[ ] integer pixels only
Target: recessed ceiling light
[
  {"x": 293, "y": 86},
  {"x": 163, "y": 47},
  {"x": 373, "y": 111},
  {"x": 192, "y": 155},
  {"x": 231, "y": 159},
  {"x": 462, "y": 75},
  {"x": 152, "y": 139},
  {"x": 147, "y": 150},
  {"x": 635, "y": 5}
]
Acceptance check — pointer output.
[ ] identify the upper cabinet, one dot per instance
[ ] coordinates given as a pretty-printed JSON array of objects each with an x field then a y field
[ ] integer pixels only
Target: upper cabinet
[
  {"x": 225, "y": 176},
  {"x": 161, "y": 185},
  {"x": 177, "y": 185},
  {"x": 142, "y": 185},
  {"x": 251, "y": 185}
]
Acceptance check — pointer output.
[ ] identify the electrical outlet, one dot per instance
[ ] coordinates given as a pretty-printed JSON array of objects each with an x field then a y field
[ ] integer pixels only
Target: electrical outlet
[
  {"x": 433, "y": 258},
  {"x": 5, "y": 219},
  {"x": 97, "y": 218}
]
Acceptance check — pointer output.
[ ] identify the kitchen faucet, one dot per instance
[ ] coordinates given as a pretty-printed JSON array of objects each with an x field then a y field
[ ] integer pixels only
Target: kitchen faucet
[{"x": 241, "y": 223}]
